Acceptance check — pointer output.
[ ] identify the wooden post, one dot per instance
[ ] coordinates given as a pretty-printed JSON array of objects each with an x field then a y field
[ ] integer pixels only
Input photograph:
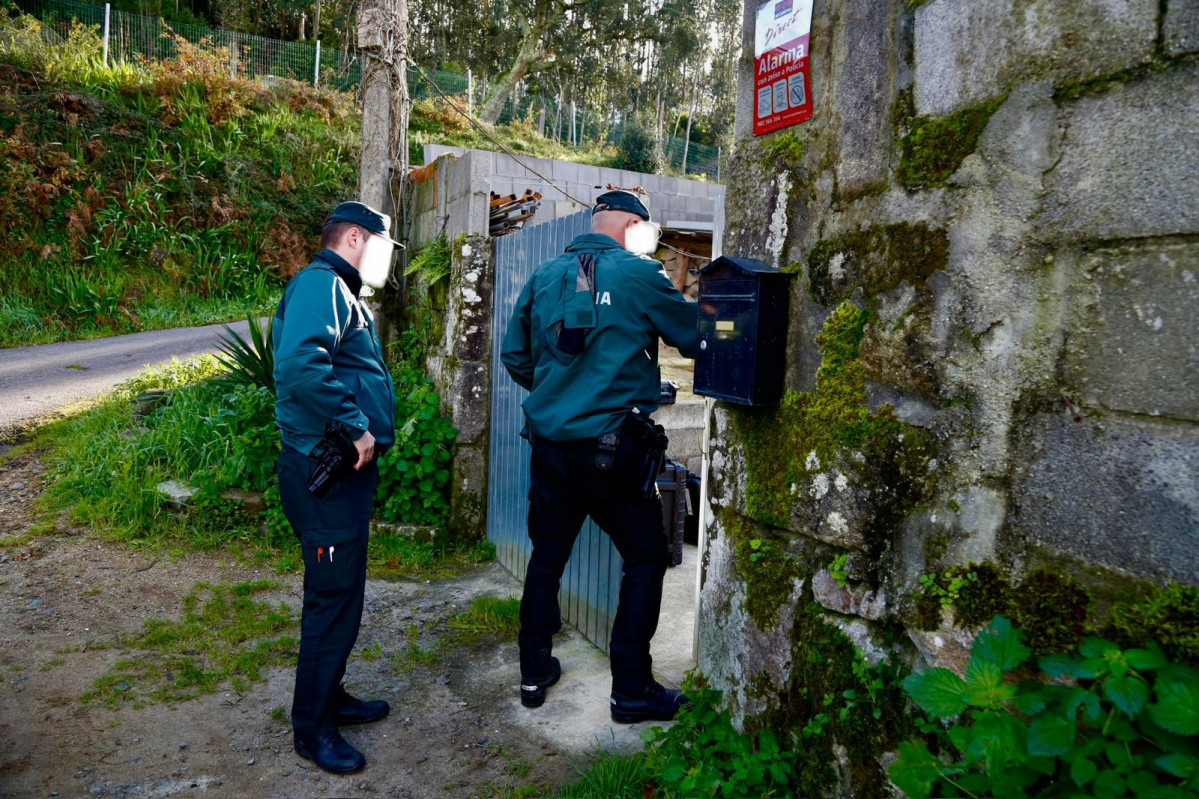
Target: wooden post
[{"x": 383, "y": 43}]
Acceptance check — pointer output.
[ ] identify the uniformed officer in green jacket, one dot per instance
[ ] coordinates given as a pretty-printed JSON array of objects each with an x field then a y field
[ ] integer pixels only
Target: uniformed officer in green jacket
[
  {"x": 330, "y": 378},
  {"x": 583, "y": 340}
]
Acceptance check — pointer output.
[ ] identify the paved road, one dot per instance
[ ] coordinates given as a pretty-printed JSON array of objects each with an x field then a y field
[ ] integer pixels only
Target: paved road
[{"x": 44, "y": 378}]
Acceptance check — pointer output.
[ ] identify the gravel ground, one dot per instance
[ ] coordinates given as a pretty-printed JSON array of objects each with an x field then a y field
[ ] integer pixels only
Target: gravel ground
[{"x": 456, "y": 727}]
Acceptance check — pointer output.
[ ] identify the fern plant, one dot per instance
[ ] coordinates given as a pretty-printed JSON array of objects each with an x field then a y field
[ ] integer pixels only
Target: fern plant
[
  {"x": 432, "y": 264},
  {"x": 250, "y": 363}
]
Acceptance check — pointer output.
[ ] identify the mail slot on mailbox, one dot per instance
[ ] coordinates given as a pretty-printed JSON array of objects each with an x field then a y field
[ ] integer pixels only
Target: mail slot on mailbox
[{"x": 742, "y": 331}]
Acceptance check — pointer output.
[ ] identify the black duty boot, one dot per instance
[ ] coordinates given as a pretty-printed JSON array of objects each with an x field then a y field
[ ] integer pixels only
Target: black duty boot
[
  {"x": 652, "y": 703},
  {"x": 541, "y": 674},
  {"x": 356, "y": 711},
  {"x": 329, "y": 751}
]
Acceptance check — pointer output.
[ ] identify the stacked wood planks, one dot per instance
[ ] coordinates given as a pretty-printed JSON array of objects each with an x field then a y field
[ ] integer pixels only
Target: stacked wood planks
[{"x": 509, "y": 213}]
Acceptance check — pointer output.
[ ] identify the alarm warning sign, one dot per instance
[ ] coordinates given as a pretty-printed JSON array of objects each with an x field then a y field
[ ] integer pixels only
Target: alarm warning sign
[{"x": 782, "y": 91}]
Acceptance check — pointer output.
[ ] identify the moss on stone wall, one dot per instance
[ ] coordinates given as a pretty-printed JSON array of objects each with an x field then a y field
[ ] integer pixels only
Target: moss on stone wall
[
  {"x": 887, "y": 457},
  {"x": 767, "y": 571},
  {"x": 984, "y": 595},
  {"x": 1169, "y": 616},
  {"x": 875, "y": 260},
  {"x": 833, "y": 696},
  {"x": 1052, "y": 612},
  {"x": 783, "y": 151},
  {"x": 936, "y": 146}
]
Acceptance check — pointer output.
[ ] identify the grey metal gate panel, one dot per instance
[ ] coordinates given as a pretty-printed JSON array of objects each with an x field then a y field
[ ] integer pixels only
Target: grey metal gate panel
[{"x": 591, "y": 582}]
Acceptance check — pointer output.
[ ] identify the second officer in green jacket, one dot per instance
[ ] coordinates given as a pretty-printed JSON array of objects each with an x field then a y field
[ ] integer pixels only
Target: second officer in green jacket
[
  {"x": 331, "y": 383},
  {"x": 583, "y": 339}
]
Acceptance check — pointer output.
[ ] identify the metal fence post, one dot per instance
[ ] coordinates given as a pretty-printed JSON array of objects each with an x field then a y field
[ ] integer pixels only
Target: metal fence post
[
  {"x": 316, "y": 69},
  {"x": 470, "y": 92},
  {"x": 718, "y": 164},
  {"x": 107, "y": 20}
]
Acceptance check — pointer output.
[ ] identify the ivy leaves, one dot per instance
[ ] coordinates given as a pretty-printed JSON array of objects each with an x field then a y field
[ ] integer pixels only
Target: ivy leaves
[
  {"x": 1115, "y": 723},
  {"x": 414, "y": 473}
]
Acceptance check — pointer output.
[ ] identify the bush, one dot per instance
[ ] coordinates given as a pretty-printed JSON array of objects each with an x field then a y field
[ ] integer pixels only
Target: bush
[
  {"x": 639, "y": 149},
  {"x": 414, "y": 474},
  {"x": 1115, "y": 723},
  {"x": 703, "y": 754}
]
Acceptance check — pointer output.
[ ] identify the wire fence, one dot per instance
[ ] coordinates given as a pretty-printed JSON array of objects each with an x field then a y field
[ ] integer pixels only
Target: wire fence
[{"x": 128, "y": 37}]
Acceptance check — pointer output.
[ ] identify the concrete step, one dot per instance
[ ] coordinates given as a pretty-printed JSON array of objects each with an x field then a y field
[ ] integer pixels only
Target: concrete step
[
  {"x": 684, "y": 424},
  {"x": 682, "y": 415}
]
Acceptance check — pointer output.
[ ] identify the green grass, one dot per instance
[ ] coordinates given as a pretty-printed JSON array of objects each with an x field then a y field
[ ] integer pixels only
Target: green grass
[
  {"x": 414, "y": 654},
  {"x": 489, "y": 615},
  {"x": 225, "y": 638},
  {"x": 433, "y": 120},
  {"x": 610, "y": 774},
  {"x": 104, "y": 466},
  {"x": 391, "y": 555}
]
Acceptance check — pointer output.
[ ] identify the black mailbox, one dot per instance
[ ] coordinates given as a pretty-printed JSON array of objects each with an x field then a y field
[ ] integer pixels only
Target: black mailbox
[{"x": 742, "y": 331}]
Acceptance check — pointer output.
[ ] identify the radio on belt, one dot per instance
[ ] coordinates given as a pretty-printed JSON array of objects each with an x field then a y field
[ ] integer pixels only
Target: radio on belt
[{"x": 742, "y": 331}]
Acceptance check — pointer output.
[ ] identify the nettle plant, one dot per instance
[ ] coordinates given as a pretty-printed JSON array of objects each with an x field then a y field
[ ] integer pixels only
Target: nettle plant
[{"x": 1112, "y": 723}]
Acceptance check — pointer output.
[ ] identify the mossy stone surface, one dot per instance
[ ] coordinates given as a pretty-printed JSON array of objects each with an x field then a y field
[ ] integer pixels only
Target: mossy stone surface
[
  {"x": 826, "y": 694},
  {"x": 768, "y": 572},
  {"x": 936, "y": 146},
  {"x": 1169, "y": 616},
  {"x": 1052, "y": 612},
  {"x": 983, "y": 597},
  {"x": 875, "y": 260},
  {"x": 783, "y": 151},
  {"x": 834, "y": 424}
]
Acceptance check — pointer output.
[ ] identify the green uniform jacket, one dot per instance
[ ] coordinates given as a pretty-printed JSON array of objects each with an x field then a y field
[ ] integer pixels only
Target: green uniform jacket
[
  {"x": 588, "y": 394},
  {"x": 329, "y": 366}
]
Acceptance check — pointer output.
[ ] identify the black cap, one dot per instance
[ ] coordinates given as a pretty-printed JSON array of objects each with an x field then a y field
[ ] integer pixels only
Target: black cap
[
  {"x": 364, "y": 216},
  {"x": 621, "y": 201}
]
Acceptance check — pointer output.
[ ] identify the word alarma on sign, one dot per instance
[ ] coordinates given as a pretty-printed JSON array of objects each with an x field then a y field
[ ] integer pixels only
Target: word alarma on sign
[{"x": 781, "y": 86}]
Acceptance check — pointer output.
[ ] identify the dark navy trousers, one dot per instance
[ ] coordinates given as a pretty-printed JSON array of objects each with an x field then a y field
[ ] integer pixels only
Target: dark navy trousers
[
  {"x": 567, "y": 486},
  {"x": 333, "y": 532}
]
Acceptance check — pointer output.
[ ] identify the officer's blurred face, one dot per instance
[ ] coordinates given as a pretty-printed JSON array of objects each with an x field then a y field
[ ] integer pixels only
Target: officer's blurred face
[
  {"x": 375, "y": 266},
  {"x": 641, "y": 236}
]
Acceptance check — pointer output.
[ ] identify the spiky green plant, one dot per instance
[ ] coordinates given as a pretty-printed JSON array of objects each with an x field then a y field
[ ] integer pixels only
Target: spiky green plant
[{"x": 249, "y": 362}]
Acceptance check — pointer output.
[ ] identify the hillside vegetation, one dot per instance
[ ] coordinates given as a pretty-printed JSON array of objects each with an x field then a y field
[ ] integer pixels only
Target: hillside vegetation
[
  {"x": 162, "y": 194},
  {"x": 157, "y": 195}
]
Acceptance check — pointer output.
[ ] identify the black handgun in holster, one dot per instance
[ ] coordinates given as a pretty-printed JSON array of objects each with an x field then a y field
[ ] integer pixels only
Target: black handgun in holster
[
  {"x": 337, "y": 456},
  {"x": 649, "y": 443}
]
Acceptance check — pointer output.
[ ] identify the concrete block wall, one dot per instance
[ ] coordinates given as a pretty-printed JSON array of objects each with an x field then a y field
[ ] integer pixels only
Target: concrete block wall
[
  {"x": 1008, "y": 190},
  {"x": 671, "y": 198}
]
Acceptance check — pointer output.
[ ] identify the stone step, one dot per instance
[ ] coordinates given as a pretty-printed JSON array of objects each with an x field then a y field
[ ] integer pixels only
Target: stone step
[{"x": 683, "y": 415}]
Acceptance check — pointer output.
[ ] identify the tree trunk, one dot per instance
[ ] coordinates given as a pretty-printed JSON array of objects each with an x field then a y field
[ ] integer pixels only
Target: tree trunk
[
  {"x": 316, "y": 21},
  {"x": 690, "y": 116},
  {"x": 531, "y": 52}
]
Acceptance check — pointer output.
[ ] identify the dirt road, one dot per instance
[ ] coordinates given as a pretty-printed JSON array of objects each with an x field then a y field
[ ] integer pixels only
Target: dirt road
[
  {"x": 70, "y": 603},
  {"x": 42, "y": 379}
]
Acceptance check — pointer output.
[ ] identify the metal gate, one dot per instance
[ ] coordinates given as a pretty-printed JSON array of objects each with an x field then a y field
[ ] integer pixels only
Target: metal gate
[{"x": 591, "y": 583}]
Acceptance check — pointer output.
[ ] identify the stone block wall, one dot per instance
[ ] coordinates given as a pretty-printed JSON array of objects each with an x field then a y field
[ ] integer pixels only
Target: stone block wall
[
  {"x": 993, "y": 351},
  {"x": 450, "y": 198},
  {"x": 460, "y": 365}
]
